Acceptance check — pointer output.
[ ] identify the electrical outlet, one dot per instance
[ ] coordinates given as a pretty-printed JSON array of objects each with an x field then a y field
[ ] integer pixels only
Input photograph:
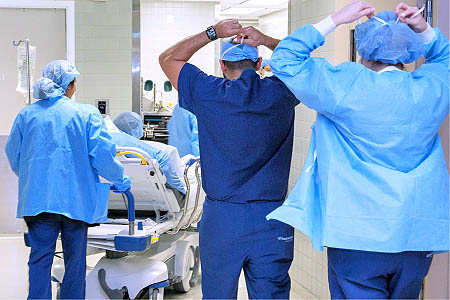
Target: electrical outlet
[{"x": 102, "y": 105}]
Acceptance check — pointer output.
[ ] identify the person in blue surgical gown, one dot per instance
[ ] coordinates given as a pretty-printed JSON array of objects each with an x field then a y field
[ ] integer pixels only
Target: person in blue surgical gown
[
  {"x": 131, "y": 130},
  {"x": 58, "y": 148},
  {"x": 375, "y": 187},
  {"x": 183, "y": 132}
]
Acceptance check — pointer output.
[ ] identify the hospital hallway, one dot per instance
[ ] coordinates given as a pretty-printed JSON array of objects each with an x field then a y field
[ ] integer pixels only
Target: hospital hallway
[
  {"x": 14, "y": 273},
  {"x": 357, "y": 168}
]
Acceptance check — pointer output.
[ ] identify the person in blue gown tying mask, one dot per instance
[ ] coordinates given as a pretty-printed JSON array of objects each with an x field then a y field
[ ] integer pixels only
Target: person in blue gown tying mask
[
  {"x": 131, "y": 130},
  {"x": 375, "y": 187},
  {"x": 58, "y": 148}
]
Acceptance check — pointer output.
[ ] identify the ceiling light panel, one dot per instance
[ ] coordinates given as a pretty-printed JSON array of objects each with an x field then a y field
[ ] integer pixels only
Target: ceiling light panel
[
  {"x": 264, "y": 3},
  {"x": 240, "y": 11}
]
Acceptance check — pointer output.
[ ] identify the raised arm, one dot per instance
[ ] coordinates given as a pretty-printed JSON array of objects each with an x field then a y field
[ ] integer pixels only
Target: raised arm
[
  {"x": 314, "y": 81},
  {"x": 436, "y": 44},
  {"x": 255, "y": 38},
  {"x": 173, "y": 59}
]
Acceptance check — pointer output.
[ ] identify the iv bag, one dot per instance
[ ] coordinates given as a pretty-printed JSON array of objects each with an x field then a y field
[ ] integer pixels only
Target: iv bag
[{"x": 22, "y": 68}]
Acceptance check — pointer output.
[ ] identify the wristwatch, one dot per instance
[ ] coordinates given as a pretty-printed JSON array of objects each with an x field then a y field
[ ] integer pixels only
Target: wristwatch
[{"x": 211, "y": 33}]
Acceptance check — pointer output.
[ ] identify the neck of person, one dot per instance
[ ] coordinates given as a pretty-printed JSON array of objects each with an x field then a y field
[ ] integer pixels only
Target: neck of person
[
  {"x": 377, "y": 66},
  {"x": 233, "y": 74}
]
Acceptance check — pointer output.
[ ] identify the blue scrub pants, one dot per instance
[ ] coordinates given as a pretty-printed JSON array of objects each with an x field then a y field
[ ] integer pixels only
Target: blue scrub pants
[
  {"x": 43, "y": 231},
  {"x": 238, "y": 236},
  {"x": 356, "y": 274}
]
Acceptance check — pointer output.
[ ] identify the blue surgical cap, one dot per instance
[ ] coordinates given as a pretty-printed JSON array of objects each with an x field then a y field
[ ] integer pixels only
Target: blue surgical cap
[
  {"x": 389, "y": 42},
  {"x": 55, "y": 78},
  {"x": 265, "y": 62},
  {"x": 131, "y": 123},
  {"x": 237, "y": 52}
]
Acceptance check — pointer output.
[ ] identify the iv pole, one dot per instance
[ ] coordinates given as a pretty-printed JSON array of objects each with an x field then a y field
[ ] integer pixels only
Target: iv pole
[{"x": 27, "y": 62}]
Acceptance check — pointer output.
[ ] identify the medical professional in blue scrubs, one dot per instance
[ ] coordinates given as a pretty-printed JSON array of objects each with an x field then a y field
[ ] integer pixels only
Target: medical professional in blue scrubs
[
  {"x": 245, "y": 127},
  {"x": 58, "y": 148},
  {"x": 375, "y": 187},
  {"x": 131, "y": 130},
  {"x": 183, "y": 132}
]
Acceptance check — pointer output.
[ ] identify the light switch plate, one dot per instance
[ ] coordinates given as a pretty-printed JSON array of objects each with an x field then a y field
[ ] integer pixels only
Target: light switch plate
[{"x": 103, "y": 106}]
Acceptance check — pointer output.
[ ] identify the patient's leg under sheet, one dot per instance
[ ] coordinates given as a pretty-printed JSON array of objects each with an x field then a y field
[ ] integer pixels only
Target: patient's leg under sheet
[{"x": 238, "y": 236}]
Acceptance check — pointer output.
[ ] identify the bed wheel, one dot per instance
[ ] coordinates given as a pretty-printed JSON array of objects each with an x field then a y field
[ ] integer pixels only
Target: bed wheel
[{"x": 184, "y": 285}]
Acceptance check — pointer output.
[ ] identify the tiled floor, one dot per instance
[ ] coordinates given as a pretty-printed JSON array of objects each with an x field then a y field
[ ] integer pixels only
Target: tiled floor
[{"x": 13, "y": 273}]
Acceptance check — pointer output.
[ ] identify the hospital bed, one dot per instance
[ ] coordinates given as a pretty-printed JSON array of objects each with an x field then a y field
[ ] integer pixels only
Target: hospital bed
[{"x": 148, "y": 242}]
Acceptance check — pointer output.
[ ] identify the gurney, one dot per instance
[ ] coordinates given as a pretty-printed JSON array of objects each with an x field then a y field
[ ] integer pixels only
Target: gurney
[{"x": 148, "y": 240}]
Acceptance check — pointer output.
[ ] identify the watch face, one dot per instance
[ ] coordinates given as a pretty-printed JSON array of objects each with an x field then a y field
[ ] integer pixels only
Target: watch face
[{"x": 211, "y": 32}]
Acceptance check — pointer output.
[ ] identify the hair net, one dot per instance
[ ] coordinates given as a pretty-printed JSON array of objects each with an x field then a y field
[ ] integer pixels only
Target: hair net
[
  {"x": 56, "y": 77},
  {"x": 237, "y": 52},
  {"x": 389, "y": 42},
  {"x": 265, "y": 62},
  {"x": 131, "y": 123}
]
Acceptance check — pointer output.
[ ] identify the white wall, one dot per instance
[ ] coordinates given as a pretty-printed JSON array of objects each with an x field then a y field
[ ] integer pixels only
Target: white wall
[
  {"x": 274, "y": 25},
  {"x": 103, "y": 52},
  {"x": 163, "y": 23},
  {"x": 309, "y": 269}
]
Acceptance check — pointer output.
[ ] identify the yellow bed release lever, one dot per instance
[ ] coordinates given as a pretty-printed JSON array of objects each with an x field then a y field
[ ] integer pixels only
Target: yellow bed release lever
[{"x": 143, "y": 160}]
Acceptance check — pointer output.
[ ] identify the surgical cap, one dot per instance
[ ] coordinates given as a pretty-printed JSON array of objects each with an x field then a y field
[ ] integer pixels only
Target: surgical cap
[
  {"x": 57, "y": 75},
  {"x": 265, "y": 62},
  {"x": 237, "y": 52},
  {"x": 131, "y": 123},
  {"x": 389, "y": 42}
]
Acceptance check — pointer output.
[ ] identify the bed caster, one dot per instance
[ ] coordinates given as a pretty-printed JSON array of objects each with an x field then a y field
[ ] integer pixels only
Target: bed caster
[
  {"x": 192, "y": 265},
  {"x": 154, "y": 294}
]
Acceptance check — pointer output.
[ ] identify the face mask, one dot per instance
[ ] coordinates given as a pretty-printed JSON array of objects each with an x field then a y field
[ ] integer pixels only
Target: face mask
[
  {"x": 231, "y": 48},
  {"x": 268, "y": 74}
]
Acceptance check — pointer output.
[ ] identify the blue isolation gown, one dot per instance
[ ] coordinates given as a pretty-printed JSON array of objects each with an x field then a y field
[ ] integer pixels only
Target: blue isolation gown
[
  {"x": 183, "y": 132},
  {"x": 58, "y": 148},
  {"x": 375, "y": 178}
]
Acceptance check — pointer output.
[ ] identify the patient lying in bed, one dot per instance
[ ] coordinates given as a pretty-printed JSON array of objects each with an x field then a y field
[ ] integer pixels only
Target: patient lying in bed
[{"x": 126, "y": 131}]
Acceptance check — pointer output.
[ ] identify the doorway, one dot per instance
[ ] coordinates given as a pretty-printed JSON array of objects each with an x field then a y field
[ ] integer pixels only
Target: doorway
[{"x": 49, "y": 25}]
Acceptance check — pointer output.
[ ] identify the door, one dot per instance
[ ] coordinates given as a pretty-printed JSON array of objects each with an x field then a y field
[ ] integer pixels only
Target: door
[{"x": 46, "y": 29}]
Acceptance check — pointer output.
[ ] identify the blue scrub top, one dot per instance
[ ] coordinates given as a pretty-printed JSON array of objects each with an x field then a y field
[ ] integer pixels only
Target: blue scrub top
[
  {"x": 245, "y": 131},
  {"x": 183, "y": 132},
  {"x": 123, "y": 139},
  {"x": 375, "y": 178},
  {"x": 58, "y": 148}
]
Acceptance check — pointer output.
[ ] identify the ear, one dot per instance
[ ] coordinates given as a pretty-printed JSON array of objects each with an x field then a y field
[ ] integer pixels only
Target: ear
[
  {"x": 222, "y": 66},
  {"x": 258, "y": 63}
]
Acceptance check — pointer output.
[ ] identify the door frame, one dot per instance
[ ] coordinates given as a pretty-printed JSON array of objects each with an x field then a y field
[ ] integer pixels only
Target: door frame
[{"x": 68, "y": 6}]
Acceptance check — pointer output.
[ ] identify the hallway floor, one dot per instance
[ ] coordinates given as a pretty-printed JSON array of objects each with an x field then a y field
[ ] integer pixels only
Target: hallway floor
[{"x": 14, "y": 277}]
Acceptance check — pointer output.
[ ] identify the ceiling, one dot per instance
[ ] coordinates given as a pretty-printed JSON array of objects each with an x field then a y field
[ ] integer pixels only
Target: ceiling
[{"x": 250, "y": 9}]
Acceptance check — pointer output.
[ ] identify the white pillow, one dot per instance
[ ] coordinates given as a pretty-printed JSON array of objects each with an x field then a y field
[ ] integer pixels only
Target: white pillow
[{"x": 110, "y": 125}]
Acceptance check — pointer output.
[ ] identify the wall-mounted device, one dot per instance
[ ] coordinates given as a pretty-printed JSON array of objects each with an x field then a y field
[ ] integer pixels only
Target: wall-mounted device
[{"x": 103, "y": 106}]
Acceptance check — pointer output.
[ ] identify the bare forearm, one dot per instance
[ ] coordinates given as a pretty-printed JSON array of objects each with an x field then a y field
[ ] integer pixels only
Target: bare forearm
[
  {"x": 183, "y": 50},
  {"x": 173, "y": 59},
  {"x": 271, "y": 43}
]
